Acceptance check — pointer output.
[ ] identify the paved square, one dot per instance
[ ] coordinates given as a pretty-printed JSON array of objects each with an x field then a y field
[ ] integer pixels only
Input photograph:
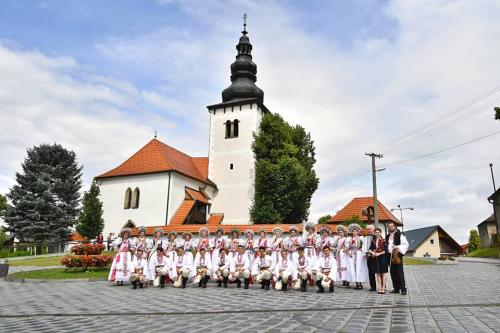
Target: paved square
[{"x": 442, "y": 298}]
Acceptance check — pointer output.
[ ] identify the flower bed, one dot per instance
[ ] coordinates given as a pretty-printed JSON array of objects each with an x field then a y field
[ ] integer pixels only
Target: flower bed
[
  {"x": 87, "y": 249},
  {"x": 84, "y": 261}
]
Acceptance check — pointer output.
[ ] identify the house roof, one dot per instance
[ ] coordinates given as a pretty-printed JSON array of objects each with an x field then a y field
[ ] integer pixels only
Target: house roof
[
  {"x": 356, "y": 207},
  {"x": 490, "y": 219},
  {"x": 157, "y": 156},
  {"x": 416, "y": 237},
  {"x": 496, "y": 193}
]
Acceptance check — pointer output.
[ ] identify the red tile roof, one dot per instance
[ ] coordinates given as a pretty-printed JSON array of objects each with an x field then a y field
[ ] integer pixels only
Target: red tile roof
[
  {"x": 197, "y": 195},
  {"x": 182, "y": 212},
  {"x": 355, "y": 208},
  {"x": 155, "y": 157}
]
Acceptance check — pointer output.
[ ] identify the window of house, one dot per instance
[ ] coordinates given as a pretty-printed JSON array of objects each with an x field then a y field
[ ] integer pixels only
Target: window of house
[
  {"x": 128, "y": 198},
  {"x": 432, "y": 241},
  {"x": 135, "y": 198},
  {"x": 236, "y": 125},
  {"x": 232, "y": 128}
]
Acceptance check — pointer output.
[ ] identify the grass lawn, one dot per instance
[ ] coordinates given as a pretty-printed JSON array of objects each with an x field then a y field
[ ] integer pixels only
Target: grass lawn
[
  {"x": 488, "y": 252},
  {"x": 415, "y": 261},
  {"x": 59, "y": 273},
  {"x": 44, "y": 261}
]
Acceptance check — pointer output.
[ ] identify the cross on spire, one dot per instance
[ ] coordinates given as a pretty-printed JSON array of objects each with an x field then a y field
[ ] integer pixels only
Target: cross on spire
[{"x": 244, "y": 24}]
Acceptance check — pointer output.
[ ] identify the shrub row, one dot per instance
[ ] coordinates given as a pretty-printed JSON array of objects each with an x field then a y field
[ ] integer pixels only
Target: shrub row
[
  {"x": 87, "y": 249},
  {"x": 86, "y": 261}
]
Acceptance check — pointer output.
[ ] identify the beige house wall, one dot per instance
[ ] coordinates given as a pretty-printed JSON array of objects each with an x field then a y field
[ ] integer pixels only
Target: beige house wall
[{"x": 426, "y": 246}]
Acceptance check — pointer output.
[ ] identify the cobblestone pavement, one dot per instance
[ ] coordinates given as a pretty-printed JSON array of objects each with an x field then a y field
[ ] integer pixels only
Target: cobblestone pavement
[
  {"x": 442, "y": 298},
  {"x": 16, "y": 269}
]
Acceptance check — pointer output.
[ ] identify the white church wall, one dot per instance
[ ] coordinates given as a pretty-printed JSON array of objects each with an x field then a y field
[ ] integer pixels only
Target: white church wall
[
  {"x": 152, "y": 203},
  {"x": 236, "y": 186}
]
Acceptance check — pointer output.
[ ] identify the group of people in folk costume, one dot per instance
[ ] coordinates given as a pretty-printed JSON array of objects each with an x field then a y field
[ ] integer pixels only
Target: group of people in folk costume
[{"x": 289, "y": 262}]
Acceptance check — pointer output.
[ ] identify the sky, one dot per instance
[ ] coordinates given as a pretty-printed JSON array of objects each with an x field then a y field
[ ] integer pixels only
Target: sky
[{"x": 400, "y": 78}]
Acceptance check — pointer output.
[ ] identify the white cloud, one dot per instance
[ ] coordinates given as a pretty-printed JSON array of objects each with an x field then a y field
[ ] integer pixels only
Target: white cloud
[{"x": 353, "y": 99}]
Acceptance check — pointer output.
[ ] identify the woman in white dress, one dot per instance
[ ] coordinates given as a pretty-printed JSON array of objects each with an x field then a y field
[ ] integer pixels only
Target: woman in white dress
[
  {"x": 359, "y": 273},
  {"x": 122, "y": 263},
  {"x": 343, "y": 256}
]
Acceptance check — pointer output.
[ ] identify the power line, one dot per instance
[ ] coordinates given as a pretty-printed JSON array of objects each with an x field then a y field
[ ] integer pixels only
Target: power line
[
  {"x": 429, "y": 125},
  {"x": 442, "y": 150}
]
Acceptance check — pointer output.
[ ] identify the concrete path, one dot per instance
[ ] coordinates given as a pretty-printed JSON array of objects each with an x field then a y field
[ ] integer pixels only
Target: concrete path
[
  {"x": 442, "y": 298},
  {"x": 479, "y": 260}
]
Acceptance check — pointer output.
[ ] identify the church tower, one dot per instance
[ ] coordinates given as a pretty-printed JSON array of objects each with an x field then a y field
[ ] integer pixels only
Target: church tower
[{"x": 232, "y": 125}]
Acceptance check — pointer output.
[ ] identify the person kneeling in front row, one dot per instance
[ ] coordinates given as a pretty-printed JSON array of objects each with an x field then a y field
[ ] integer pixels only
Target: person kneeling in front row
[
  {"x": 202, "y": 267},
  {"x": 139, "y": 270},
  {"x": 324, "y": 271},
  {"x": 181, "y": 269},
  {"x": 240, "y": 268},
  {"x": 262, "y": 268},
  {"x": 221, "y": 268}
]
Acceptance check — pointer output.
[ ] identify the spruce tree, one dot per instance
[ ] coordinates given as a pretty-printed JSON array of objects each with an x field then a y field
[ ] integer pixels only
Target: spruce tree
[
  {"x": 474, "y": 241},
  {"x": 90, "y": 222},
  {"x": 46, "y": 196},
  {"x": 285, "y": 179}
]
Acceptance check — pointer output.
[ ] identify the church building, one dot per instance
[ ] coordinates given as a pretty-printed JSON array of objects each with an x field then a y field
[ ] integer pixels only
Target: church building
[{"x": 162, "y": 186}]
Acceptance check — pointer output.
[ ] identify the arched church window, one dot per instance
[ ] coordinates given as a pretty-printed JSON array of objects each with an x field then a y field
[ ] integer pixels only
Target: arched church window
[
  {"x": 128, "y": 198},
  {"x": 135, "y": 198},
  {"x": 228, "y": 129},
  {"x": 236, "y": 128}
]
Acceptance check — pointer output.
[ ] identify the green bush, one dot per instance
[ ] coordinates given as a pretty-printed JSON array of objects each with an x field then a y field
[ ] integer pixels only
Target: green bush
[{"x": 10, "y": 254}]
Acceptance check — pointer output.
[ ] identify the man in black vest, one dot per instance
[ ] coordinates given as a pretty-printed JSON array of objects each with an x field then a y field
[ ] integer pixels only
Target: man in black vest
[
  {"x": 369, "y": 260},
  {"x": 396, "y": 240}
]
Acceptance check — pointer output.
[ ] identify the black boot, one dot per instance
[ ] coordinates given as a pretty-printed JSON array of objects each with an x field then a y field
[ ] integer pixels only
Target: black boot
[
  {"x": 303, "y": 285},
  {"x": 285, "y": 286},
  {"x": 219, "y": 283},
  {"x": 141, "y": 285},
  {"x": 162, "y": 281},
  {"x": 268, "y": 283},
  {"x": 204, "y": 281},
  {"x": 224, "y": 281},
  {"x": 134, "y": 285},
  {"x": 263, "y": 284},
  {"x": 184, "y": 282},
  {"x": 331, "y": 287},
  {"x": 245, "y": 283},
  {"x": 320, "y": 287},
  {"x": 238, "y": 283}
]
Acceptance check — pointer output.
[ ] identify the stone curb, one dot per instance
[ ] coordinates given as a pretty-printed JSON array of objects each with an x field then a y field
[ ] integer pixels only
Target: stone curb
[{"x": 24, "y": 280}]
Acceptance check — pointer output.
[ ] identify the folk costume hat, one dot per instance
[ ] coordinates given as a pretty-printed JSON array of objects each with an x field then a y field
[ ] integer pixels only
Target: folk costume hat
[
  {"x": 309, "y": 226},
  {"x": 342, "y": 228},
  {"x": 262, "y": 230},
  {"x": 249, "y": 232},
  {"x": 205, "y": 230},
  {"x": 325, "y": 229},
  {"x": 187, "y": 233},
  {"x": 141, "y": 229},
  {"x": 277, "y": 229},
  {"x": 235, "y": 230},
  {"x": 125, "y": 231},
  {"x": 219, "y": 229},
  {"x": 354, "y": 226},
  {"x": 293, "y": 227},
  {"x": 172, "y": 233},
  {"x": 158, "y": 230}
]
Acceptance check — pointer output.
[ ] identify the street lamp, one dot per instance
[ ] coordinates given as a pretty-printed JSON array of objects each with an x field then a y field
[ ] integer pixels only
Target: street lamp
[{"x": 401, "y": 212}]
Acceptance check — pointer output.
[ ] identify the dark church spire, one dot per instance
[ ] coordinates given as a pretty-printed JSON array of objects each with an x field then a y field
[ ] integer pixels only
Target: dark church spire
[{"x": 243, "y": 72}]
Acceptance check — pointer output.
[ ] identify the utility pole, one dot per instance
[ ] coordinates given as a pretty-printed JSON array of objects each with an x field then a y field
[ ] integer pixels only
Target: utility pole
[
  {"x": 374, "y": 180},
  {"x": 497, "y": 224}
]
